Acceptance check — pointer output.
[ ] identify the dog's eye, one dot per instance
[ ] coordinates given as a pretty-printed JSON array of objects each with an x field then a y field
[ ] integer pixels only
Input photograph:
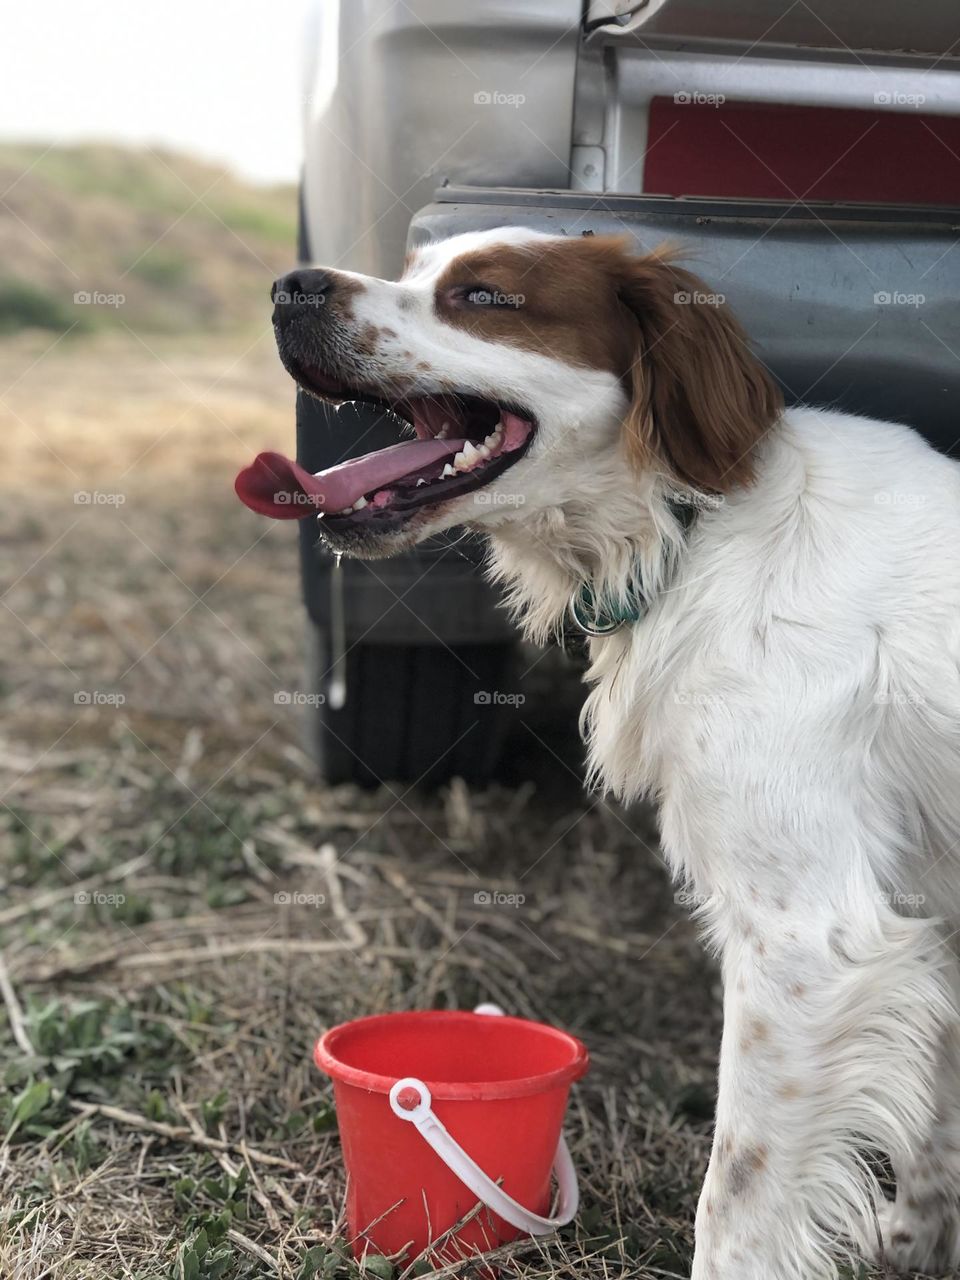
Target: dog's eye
[{"x": 486, "y": 295}]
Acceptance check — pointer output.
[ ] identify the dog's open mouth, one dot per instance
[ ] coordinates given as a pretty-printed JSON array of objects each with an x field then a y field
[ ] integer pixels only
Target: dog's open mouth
[{"x": 463, "y": 442}]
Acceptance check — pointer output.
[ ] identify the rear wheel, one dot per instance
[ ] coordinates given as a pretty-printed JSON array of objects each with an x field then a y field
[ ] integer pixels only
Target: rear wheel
[{"x": 412, "y": 713}]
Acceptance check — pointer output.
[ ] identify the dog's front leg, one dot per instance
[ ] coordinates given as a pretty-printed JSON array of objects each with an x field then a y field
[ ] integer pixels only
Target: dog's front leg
[
  {"x": 751, "y": 1212},
  {"x": 831, "y": 1018}
]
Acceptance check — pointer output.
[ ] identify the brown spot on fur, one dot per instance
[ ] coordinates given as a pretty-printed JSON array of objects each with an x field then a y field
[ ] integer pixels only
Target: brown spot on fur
[
  {"x": 790, "y": 1091},
  {"x": 366, "y": 341},
  {"x": 343, "y": 295},
  {"x": 744, "y": 1168},
  {"x": 902, "y": 1237},
  {"x": 700, "y": 401},
  {"x": 797, "y": 989},
  {"x": 422, "y": 365},
  {"x": 757, "y": 1032}
]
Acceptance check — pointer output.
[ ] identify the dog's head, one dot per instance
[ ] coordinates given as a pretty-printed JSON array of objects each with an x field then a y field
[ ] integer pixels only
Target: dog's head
[{"x": 525, "y": 365}]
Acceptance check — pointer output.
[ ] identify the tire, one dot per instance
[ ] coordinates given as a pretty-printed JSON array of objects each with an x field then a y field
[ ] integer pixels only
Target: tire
[{"x": 413, "y": 713}]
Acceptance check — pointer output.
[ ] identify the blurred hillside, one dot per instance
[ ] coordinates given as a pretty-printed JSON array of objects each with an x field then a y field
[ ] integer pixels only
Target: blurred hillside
[{"x": 159, "y": 242}]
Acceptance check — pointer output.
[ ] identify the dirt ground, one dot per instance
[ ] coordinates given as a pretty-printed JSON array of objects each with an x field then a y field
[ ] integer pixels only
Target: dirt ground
[{"x": 168, "y": 961}]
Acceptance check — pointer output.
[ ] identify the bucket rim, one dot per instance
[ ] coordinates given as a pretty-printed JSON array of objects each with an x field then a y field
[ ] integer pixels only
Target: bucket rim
[{"x": 446, "y": 1090}]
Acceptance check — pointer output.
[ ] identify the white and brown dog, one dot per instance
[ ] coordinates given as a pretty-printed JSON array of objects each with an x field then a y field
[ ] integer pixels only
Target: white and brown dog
[{"x": 781, "y": 671}]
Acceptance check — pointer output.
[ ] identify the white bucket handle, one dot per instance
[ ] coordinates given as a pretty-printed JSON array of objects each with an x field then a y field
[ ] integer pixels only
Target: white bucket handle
[{"x": 469, "y": 1172}]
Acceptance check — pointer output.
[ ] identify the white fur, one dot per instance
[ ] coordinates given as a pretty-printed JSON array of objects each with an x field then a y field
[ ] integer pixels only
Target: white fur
[{"x": 792, "y": 701}]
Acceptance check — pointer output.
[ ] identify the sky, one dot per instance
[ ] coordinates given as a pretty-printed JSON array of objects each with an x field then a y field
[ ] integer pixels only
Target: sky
[{"x": 221, "y": 79}]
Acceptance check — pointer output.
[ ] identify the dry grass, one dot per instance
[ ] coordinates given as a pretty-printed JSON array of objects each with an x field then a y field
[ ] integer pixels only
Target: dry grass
[{"x": 161, "y": 1094}]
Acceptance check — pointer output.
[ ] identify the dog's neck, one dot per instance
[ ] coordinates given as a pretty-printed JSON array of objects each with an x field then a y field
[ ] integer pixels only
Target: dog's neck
[{"x": 620, "y": 535}]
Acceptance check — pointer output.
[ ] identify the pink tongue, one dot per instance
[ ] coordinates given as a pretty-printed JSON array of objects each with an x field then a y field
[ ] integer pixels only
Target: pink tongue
[{"x": 276, "y": 486}]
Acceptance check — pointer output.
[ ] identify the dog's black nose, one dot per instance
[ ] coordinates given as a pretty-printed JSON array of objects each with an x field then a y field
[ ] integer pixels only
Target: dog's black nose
[{"x": 305, "y": 289}]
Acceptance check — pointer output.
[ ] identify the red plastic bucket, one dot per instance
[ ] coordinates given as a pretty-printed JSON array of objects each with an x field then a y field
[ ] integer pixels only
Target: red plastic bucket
[{"x": 482, "y": 1091}]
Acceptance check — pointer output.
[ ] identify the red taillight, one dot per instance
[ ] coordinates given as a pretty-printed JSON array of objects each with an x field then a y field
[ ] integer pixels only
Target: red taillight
[{"x": 766, "y": 151}]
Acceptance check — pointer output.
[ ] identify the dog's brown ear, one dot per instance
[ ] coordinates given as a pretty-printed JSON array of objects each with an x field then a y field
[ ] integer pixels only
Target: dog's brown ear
[{"x": 700, "y": 399}]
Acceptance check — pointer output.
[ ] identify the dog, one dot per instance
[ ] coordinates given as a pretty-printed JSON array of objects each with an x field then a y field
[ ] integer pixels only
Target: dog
[{"x": 773, "y": 602}]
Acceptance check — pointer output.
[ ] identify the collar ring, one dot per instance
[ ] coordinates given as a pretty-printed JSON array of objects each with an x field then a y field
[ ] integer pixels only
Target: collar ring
[{"x": 596, "y": 626}]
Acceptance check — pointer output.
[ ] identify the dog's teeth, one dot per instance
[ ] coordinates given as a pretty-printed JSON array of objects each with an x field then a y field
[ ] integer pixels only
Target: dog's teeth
[
  {"x": 469, "y": 456},
  {"x": 447, "y": 470},
  {"x": 420, "y": 482},
  {"x": 494, "y": 440},
  {"x": 444, "y": 431},
  {"x": 359, "y": 504}
]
